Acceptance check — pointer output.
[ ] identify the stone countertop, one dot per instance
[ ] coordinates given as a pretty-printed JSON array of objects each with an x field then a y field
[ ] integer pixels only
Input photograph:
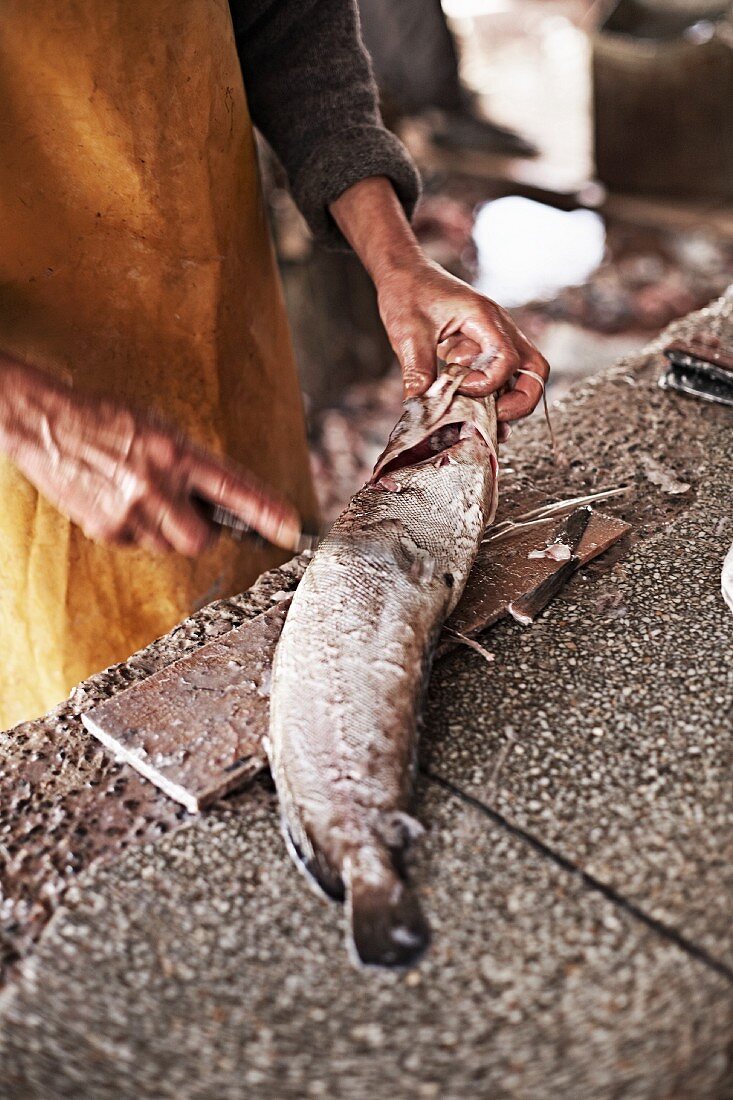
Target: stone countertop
[{"x": 577, "y": 867}]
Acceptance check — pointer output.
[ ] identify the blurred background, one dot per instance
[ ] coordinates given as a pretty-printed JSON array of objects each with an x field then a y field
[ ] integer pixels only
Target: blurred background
[{"x": 577, "y": 160}]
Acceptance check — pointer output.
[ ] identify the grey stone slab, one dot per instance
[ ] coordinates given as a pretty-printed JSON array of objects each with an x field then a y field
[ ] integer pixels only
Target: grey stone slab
[
  {"x": 203, "y": 960},
  {"x": 606, "y": 729},
  {"x": 203, "y": 967},
  {"x": 196, "y": 728}
]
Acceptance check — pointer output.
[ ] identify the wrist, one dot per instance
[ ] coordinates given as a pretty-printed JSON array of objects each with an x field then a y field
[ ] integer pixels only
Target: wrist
[
  {"x": 371, "y": 218},
  {"x": 400, "y": 266}
]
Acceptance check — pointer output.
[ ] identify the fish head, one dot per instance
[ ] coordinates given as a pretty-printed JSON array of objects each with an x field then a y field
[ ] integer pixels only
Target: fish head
[{"x": 435, "y": 423}]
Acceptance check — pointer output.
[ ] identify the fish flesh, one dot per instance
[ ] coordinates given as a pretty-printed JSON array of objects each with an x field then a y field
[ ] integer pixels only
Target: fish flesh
[{"x": 351, "y": 666}]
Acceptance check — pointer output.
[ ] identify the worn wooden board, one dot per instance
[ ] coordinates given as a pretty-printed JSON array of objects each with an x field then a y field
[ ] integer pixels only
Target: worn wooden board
[
  {"x": 195, "y": 729},
  {"x": 503, "y": 570}
]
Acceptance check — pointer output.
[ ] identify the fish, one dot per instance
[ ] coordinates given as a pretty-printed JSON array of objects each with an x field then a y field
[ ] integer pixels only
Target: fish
[{"x": 351, "y": 667}]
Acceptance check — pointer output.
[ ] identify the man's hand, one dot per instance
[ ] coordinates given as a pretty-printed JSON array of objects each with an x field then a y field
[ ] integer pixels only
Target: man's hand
[
  {"x": 429, "y": 313},
  {"x": 123, "y": 477},
  {"x": 425, "y": 310}
]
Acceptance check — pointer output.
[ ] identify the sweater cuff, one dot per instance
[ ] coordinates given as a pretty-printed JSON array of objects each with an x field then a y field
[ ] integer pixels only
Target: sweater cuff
[{"x": 343, "y": 159}]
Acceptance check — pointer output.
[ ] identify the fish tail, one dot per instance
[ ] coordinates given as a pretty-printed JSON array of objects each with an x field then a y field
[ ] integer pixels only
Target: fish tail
[{"x": 385, "y": 924}]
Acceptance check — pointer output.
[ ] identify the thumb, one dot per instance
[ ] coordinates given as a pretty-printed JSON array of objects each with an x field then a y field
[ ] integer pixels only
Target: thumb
[{"x": 417, "y": 357}]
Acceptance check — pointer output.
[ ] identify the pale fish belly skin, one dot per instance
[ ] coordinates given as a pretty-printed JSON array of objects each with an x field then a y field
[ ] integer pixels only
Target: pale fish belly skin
[{"x": 352, "y": 662}]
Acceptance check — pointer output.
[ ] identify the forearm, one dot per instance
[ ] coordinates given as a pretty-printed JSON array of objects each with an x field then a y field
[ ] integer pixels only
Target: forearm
[
  {"x": 372, "y": 219},
  {"x": 310, "y": 91}
]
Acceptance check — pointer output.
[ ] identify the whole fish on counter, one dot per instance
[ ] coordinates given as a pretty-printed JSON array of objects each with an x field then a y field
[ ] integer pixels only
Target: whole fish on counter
[{"x": 351, "y": 666}]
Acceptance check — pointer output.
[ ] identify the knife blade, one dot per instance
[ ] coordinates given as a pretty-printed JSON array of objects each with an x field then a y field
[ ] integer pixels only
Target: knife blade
[{"x": 238, "y": 529}]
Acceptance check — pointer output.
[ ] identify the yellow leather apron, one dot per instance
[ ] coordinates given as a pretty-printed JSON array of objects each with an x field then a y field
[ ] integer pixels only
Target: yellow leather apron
[{"x": 135, "y": 260}]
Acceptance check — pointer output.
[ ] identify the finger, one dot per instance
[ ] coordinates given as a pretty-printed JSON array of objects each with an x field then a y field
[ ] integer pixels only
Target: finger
[
  {"x": 458, "y": 349},
  {"x": 462, "y": 350},
  {"x": 418, "y": 363},
  {"x": 140, "y": 532},
  {"x": 490, "y": 373},
  {"x": 177, "y": 523},
  {"x": 499, "y": 356},
  {"x": 150, "y": 540},
  {"x": 104, "y": 528},
  {"x": 270, "y": 515},
  {"x": 529, "y": 385},
  {"x": 186, "y": 530},
  {"x": 520, "y": 401},
  {"x": 532, "y": 357}
]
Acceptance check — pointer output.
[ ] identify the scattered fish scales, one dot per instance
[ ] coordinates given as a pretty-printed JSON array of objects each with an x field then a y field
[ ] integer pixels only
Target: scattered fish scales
[{"x": 658, "y": 474}]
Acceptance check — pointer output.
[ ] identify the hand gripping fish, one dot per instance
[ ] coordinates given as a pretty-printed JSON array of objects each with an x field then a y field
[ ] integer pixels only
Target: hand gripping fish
[{"x": 351, "y": 666}]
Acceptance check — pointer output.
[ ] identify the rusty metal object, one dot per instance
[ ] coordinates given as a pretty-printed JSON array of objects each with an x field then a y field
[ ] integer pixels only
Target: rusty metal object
[
  {"x": 706, "y": 347},
  {"x": 700, "y": 368}
]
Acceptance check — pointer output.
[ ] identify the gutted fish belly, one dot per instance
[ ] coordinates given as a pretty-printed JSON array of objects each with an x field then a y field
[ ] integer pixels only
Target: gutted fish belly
[{"x": 351, "y": 665}]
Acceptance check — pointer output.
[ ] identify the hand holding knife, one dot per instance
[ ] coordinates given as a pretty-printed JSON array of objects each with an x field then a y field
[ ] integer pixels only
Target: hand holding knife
[{"x": 238, "y": 529}]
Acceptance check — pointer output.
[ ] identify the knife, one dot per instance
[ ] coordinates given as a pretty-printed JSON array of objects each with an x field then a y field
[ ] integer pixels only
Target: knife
[{"x": 238, "y": 529}]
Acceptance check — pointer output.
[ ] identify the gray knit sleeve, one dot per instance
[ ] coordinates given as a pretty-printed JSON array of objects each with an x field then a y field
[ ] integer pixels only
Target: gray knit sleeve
[{"x": 311, "y": 93}]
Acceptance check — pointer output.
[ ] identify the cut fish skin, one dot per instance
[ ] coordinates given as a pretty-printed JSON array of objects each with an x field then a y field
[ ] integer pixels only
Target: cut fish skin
[{"x": 351, "y": 666}]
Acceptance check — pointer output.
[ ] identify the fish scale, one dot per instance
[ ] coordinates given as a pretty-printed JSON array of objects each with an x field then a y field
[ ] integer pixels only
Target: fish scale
[{"x": 351, "y": 666}]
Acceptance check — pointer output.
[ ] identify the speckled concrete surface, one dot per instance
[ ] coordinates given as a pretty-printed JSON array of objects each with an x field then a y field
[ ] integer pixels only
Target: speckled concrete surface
[
  {"x": 201, "y": 967},
  {"x": 65, "y": 802},
  {"x": 613, "y": 715}
]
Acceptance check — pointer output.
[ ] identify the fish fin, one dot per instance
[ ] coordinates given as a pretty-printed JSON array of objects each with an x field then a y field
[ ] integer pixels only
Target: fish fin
[
  {"x": 385, "y": 924},
  {"x": 397, "y": 829},
  {"x": 315, "y": 866}
]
